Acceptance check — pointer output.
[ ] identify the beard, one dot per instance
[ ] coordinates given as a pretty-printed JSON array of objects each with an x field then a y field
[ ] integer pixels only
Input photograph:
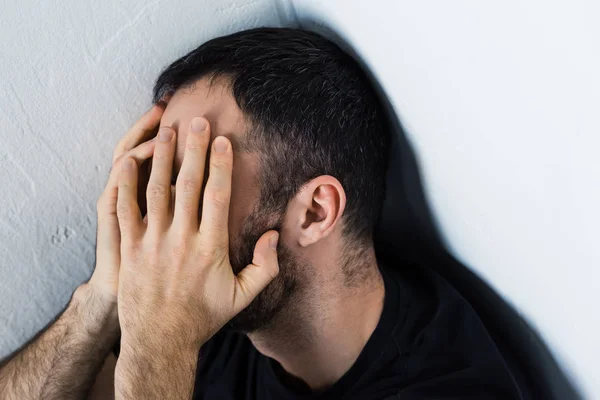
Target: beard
[{"x": 277, "y": 295}]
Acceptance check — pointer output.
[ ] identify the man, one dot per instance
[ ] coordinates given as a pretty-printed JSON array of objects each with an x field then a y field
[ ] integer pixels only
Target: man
[{"x": 274, "y": 282}]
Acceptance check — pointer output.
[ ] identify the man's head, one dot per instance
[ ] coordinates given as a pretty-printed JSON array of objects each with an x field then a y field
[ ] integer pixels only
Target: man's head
[{"x": 310, "y": 146}]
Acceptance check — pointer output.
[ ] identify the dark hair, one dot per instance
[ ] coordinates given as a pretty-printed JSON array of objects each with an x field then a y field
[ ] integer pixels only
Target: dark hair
[{"x": 312, "y": 111}]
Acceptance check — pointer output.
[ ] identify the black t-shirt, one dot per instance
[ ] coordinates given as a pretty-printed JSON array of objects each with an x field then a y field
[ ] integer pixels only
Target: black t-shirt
[{"x": 429, "y": 344}]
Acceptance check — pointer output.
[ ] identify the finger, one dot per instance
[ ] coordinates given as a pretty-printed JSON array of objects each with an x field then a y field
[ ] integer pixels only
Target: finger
[
  {"x": 158, "y": 193},
  {"x": 108, "y": 200},
  {"x": 142, "y": 130},
  {"x": 191, "y": 175},
  {"x": 256, "y": 276},
  {"x": 128, "y": 211},
  {"x": 217, "y": 194}
]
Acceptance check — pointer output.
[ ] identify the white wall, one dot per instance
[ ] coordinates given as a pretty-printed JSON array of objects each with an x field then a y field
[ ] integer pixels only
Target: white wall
[
  {"x": 74, "y": 75},
  {"x": 502, "y": 103}
]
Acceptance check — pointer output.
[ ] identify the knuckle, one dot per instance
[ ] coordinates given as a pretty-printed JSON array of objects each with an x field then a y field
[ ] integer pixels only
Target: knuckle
[
  {"x": 179, "y": 250},
  {"x": 216, "y": 230},
  {"x": 188, "y": 185},
  {"x": 123, "y": 211},
  {"x": 129, "y": 247},
  {"x": 153, "y": 248},
  {"x": 124, "y": 185},
  {"x": 130, "y": 153},
  {"x": 140, "y": 148},
  {"x": 117, "y": 159},
  {"x": 221, "y": 162},
  {"x": 154, "y": 207},
  {"x": 187, "y": 209},
  {"x": 196, "y": 144},
  {"x": 212, "y": 248},
  {"x": 162, "y": 151},
  {"x": 157, "y": 190},
  {"x": 218, "y": 198},
  {"x": 118, "y": 150},
  {"x": 105, "y": 206}
]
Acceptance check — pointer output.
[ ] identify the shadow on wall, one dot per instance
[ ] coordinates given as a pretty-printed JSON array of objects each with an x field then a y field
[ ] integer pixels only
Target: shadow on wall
[{"x": 408, "y": 237}]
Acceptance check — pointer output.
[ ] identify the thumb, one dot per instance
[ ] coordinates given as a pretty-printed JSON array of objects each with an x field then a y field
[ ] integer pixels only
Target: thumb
[{"x": 256, "y": 276}]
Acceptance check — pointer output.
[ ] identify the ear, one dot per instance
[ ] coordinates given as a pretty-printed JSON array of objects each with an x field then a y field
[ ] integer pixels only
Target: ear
[{"x": 318, "y": 207}]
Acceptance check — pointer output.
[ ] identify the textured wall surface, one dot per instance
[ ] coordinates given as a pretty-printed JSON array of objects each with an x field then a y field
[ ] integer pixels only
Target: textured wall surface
[{"x": 500, "y": 101}]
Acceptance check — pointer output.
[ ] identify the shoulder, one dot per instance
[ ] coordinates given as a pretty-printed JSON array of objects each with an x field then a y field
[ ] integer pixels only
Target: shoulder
[
  {"x": 435, "y": 313},
  {"x": 444, "y": 347}
]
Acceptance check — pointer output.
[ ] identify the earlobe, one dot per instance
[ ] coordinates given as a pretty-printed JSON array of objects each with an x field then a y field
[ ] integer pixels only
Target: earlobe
[{"x": 324, "y": 202}]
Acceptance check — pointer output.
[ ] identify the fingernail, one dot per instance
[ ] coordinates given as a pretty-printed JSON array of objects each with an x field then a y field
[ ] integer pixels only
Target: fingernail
[
  {"x": 165, "y": 134},
  {"x": 198, "y": 125},
  {"x": 220, "y": 144},
  {"x": 127, "y": 164},
  {"x": 273, "y": 240}
]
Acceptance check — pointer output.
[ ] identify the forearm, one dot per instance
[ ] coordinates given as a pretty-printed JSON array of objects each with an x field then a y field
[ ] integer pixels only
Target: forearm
[
  {"x": 148, "y": 372},
  {"x": 63, "y": 362}
]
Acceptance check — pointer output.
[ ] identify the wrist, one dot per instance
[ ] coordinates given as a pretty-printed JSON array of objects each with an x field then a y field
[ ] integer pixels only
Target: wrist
[
  {"x": 157, "y": 349},
  {"x": 97, "y": 314},
  {"x": 166, "y": 369}
]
